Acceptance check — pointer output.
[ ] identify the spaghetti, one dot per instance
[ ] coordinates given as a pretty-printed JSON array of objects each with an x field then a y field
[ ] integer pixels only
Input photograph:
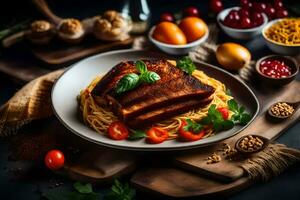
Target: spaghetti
[{"x": 99, "y": 118}]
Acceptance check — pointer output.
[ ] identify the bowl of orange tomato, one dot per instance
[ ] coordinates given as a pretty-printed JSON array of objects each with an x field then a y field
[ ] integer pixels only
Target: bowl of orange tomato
[{"x": 179, "y": 38}]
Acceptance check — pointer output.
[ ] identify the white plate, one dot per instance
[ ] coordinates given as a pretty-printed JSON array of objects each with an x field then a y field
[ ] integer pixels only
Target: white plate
[{"x": 68, "y": 86}]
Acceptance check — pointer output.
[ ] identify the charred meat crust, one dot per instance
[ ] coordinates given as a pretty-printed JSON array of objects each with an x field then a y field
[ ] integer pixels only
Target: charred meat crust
[{"x": 167, "y": 112}]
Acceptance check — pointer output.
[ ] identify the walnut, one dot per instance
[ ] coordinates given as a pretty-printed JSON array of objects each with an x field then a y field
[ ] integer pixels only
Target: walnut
[
  {"x": 110, "y": 15},
  {"x": 102, "y": 25},
  {"x": 70, "y": 26},
  {"x": 40, "y": 26}
]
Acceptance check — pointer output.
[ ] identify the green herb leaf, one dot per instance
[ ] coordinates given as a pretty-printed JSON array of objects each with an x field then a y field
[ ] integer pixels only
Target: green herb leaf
[
  {"x": 83, "y": 188},
  {"x": 233, "y": 106},
  {"x": 141, "y": 66},
  {"x": 228, "y": 92},
  {"x": 240, "y": 115},
  {"x": 192, "y": 126},
  {"x": 120, "y": 191},
  {"x": 227, "y": 124},
  {"x": 127, "y": 82},
  {"x": 137, "y": 134},
  {"x": 186, "y": 64},
  {"x": 149, "y": 77},
  {"x": 245, "y": 118}
]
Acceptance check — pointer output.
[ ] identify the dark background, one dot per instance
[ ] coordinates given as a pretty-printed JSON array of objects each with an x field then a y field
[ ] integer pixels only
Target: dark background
[{"x": 286, "y": 186}]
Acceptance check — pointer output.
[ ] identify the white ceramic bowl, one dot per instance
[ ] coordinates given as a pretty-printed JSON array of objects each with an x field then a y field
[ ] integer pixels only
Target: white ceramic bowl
[
  {"x": 243, "y": 34},
  {"x": 177, "y": 49},
  {"x": 278, "y": 47}
]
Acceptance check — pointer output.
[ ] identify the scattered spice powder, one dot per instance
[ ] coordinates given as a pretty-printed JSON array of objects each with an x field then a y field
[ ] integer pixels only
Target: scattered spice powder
[{"x": 282, "y": 109}]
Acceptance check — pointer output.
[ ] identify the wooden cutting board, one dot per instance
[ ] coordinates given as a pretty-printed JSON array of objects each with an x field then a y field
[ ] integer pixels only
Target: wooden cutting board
[{"x": 59, "y": 53}]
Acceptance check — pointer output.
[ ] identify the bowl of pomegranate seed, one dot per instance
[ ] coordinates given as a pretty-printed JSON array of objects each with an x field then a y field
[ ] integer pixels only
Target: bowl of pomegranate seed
[
  {"x": 242, "y": 23},
  {"x": 277, "y": 70}
]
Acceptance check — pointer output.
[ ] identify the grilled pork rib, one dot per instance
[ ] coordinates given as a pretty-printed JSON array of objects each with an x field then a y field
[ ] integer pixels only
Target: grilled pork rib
[{"x": 172, "y": 91}]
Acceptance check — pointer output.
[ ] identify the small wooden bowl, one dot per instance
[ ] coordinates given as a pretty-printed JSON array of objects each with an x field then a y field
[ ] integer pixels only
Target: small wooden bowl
[
  {"x": 275, "y": 118},
  {"x": 291, "y": 62},
  {"x": 239, "y": 149}
]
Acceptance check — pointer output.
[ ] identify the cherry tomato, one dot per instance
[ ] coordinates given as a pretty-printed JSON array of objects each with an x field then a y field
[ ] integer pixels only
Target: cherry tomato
[
  {"x": 282, "y": 13},
  {"x": 54, "y": 159},
  {"x": 216, "y": 6},
  {"x": 224, "y": 111},
  {"x": 189, "y": 135},
  {"x": 117, "y": 131},
  {"x": 191, "y": 11},
  {"x": 156, "y": 135},
  {"x": 166, "y": 17}
]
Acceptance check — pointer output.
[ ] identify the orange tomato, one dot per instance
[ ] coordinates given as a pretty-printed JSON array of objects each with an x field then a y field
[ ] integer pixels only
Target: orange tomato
[
  {"x": 170, "y": 33},
  {"x": 193, "y": 28}
]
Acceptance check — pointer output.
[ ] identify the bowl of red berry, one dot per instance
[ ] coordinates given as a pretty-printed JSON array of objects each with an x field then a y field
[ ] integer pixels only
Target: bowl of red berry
[
  {"x": 277, "y": 70},
  {"x": 240, "y": 23}
]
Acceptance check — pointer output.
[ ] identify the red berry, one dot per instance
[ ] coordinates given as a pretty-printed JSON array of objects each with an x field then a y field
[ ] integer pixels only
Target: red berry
[
  {"x": 278, "y": 4},
  {"x": 245, "y": 22},
  {"x": 259, "y": 7},
  {"x": 191, "y": 11},
  {"x": 243, "y": 13},
  {"x": 257, "y": 19},
  {"x": 282, "y": 13},
  {"x": 216, "y": 6},
  {"x": 244, "y": 2},
  {"x": 247, "y": 6},
  {"x": 166, "y": 17},
  {"x": 270, "y": 11}
]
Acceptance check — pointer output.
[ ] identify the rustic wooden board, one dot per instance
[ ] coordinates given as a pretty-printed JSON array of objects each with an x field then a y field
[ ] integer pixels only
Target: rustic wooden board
[
  {"x": 59, "y": 53},
  {"x": 177, "y": 183},
  {"x": 228, "y": 170}
]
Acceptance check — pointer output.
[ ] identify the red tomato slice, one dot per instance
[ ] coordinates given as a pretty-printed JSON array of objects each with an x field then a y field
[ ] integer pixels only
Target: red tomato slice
[
  {"x": 157, "y": 135},
  {"x": 117, "y": 131},
  {"x": 189, "y": 135},
  {"x": 54, "y": 159},
  {"x": 224, "y": 111}
]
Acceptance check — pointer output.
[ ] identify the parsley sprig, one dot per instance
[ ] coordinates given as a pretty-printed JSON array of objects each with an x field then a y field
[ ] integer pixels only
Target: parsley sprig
[
  {"x": 137, "y": 134},
  {"x": 215, "y": 118},
  {"x": 132, "y": 80},
  {"x": 192, "y": 126},
  {"x": 240, "y": 116},
  {"x": 120, "y": 191},
  {"x": 186, "y": 64}
]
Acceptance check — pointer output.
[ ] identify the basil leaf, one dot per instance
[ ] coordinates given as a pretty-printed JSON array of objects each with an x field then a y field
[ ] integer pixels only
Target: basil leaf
[
  {"x": 241, "y": 109},
  {"x": 137, "y": 134},
  {"x": 186, "y": 64},
  {"x": 141, "y": 66},
  {"x": 217, "y": 125},
  {"x": 233, "y": 106},
  {"x": 83, "y": 188},
  {"x": 149, "y": 77},
  {"x": 127, "y": 82},
  {"x": 197, "y": 128}
]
